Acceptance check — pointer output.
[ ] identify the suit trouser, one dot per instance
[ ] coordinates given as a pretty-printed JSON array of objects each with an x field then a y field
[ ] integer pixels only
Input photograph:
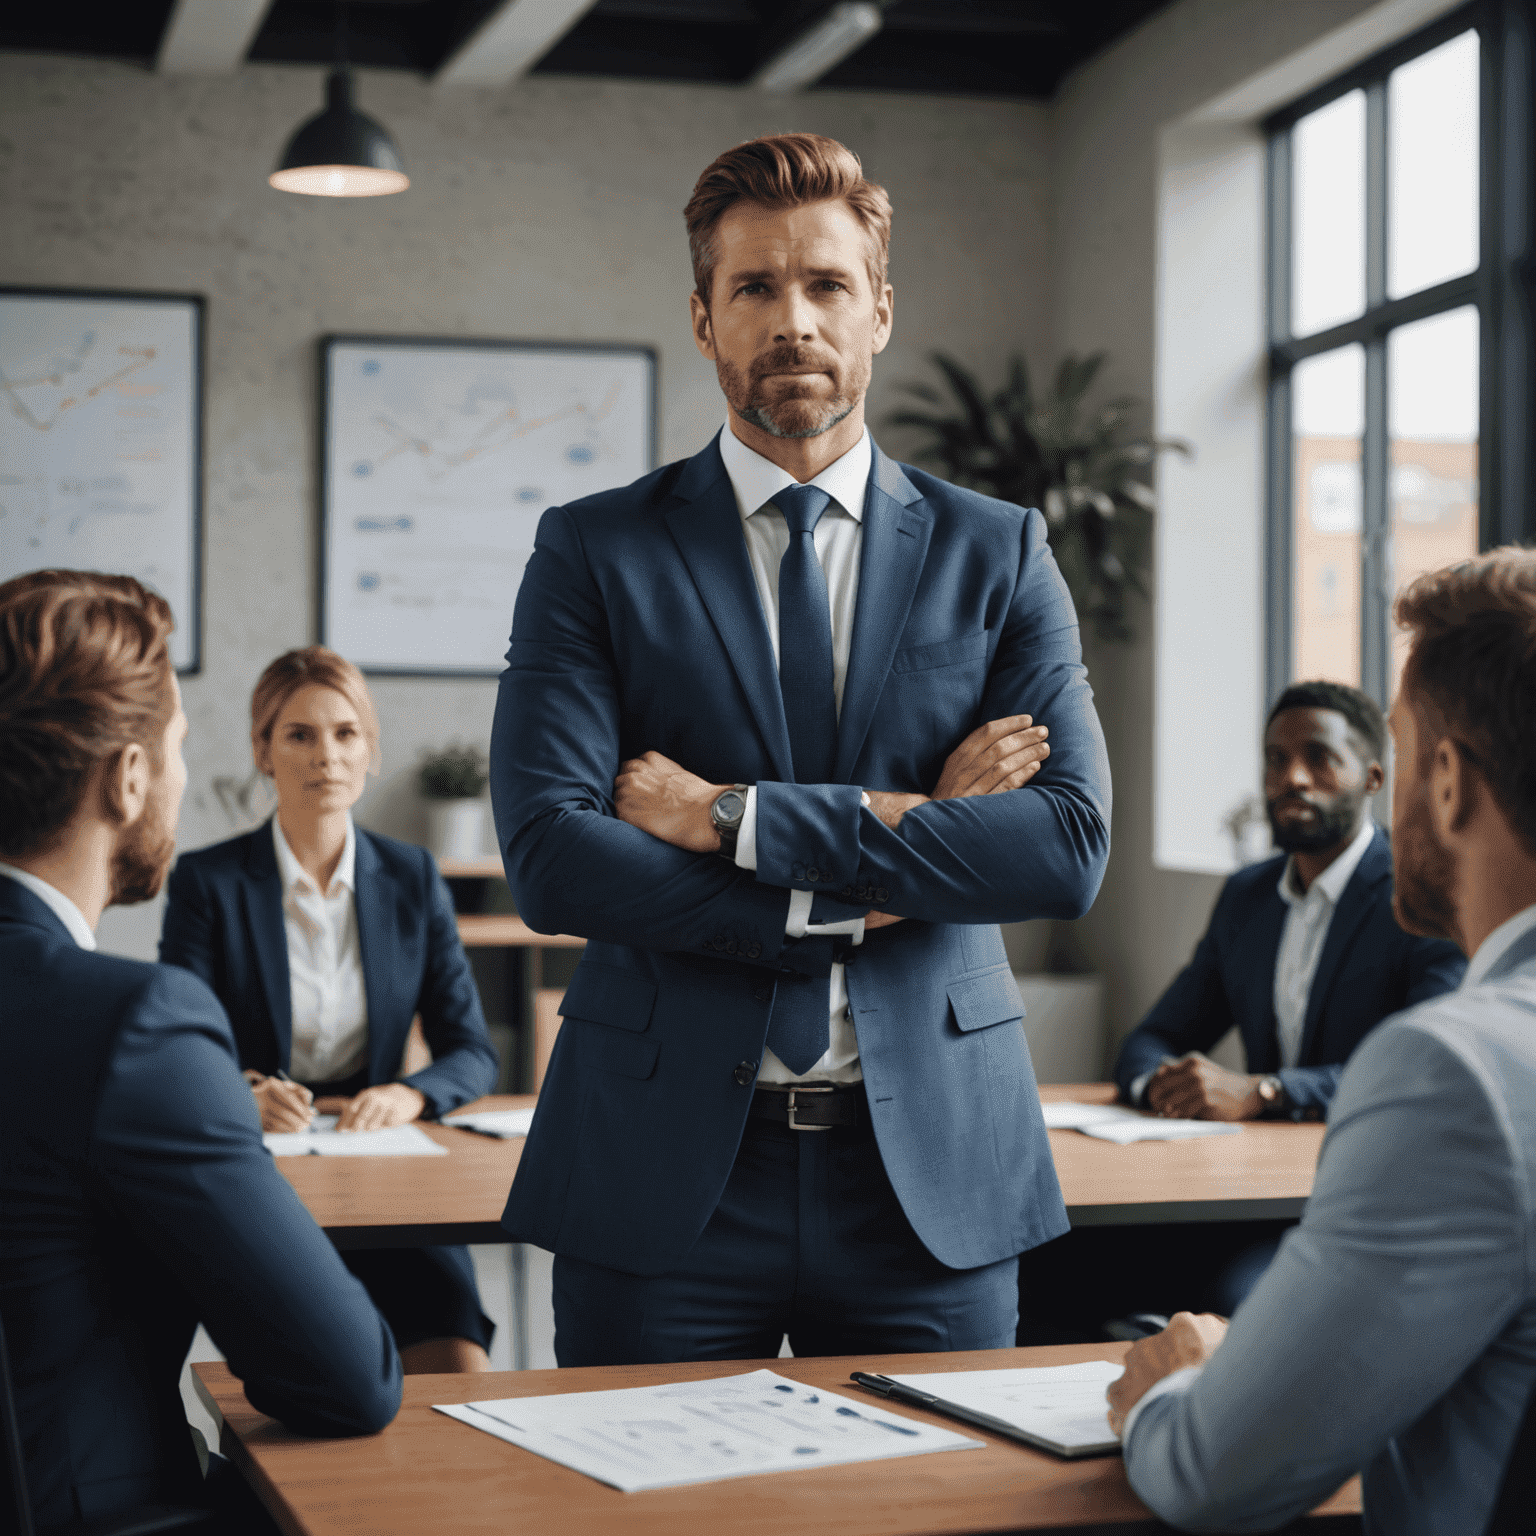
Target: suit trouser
[{"x": 808, "y": 1240}]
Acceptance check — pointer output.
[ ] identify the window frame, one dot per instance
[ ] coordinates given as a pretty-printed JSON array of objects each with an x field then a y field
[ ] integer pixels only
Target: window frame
[{"x": 1371, "y": 330}]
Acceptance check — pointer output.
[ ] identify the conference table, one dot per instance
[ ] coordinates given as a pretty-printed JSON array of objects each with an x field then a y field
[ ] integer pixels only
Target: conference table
[{"x": 428, "y": 1473}]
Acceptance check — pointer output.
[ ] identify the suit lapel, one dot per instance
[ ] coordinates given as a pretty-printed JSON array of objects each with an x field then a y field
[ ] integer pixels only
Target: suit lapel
[
  {"x": 707, "y": 529},
  {"x": 1354, "y": 907},
  {"x": 897, "y": 528},
  {"x": 372, "y": 898},
  {"x": 1264, "y": 1050},
  {"x": 262, "y": 898}
]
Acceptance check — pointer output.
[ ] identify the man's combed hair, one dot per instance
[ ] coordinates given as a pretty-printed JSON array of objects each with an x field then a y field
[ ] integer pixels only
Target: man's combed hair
[
  {"x": 1471, "y": 673},
  {"x": 1360, "y": 709},
  {"x": 85, "y": 672},
  {"x": 786, "y": 170}
]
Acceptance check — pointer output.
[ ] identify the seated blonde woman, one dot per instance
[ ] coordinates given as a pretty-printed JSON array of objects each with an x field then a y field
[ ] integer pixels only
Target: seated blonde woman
[{"x": 323, "y": 941}]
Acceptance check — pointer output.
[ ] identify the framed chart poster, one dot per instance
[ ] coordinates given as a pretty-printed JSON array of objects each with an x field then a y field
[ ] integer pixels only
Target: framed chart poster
[
  {"x": 439, "y": 458},
  {"x": 101, "y": 442}
]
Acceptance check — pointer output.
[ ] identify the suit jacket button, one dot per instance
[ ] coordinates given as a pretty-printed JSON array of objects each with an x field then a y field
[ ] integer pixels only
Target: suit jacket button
[
  {"x": 762, "y": 994},
  {"x": 730, "y": 947},
  {"x": 882, "y": 894},
  {"x": 797, "y": 871},
  {"x": 745, "y": 1072},
  {"x": 754, "y": 950},
  {"x": 813, "y": 874}
]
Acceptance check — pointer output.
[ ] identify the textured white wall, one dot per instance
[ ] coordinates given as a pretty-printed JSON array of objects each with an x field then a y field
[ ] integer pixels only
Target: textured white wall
[{"x": 549, "y": 210}]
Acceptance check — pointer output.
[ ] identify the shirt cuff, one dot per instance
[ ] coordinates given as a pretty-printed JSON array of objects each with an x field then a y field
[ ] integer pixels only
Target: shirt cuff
[
  {"x": 1139, "y": 1088},
  {"x": 746, "y": 840},
  {"x": 799, "y": 911},
  {"x": 1178, "y": 1381}
]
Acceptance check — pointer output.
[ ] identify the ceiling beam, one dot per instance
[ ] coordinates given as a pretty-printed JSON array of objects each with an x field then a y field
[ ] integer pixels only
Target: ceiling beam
[
  {"x": 209, "y": 37},
  {"x": 511, "y": 41},
  {"x": 820, "y": 47}
]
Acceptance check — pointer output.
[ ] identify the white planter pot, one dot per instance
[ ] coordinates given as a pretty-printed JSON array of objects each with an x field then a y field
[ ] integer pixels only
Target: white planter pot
[{"x": 456, "y": 828}]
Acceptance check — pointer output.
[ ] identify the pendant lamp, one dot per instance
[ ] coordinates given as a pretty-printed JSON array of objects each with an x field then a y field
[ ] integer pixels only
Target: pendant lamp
[{"x": 340, "y": 152}]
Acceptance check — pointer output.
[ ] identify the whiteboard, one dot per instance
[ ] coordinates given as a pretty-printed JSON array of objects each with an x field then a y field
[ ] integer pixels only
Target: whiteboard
[
  {"x": 440, "y": 458},
  {"x": 100, "y": 442}
]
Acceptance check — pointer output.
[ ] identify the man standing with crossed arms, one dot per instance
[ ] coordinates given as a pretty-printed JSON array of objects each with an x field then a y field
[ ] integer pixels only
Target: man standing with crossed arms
[{"x": 767, "y": 740}]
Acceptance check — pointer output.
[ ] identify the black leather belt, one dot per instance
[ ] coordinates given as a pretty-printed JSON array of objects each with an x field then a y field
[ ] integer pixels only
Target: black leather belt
[{"x": 812, "y": 1106}]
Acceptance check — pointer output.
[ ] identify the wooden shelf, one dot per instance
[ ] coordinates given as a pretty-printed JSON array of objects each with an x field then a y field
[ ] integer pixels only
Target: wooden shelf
[
  {"x": 486, "y": 867},
  {"x": 505, "y": 929}
]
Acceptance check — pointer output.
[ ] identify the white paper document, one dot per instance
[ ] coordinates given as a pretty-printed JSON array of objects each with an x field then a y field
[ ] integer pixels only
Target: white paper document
[
  {"x": 505, "y": 1123},
  {"x": 1114, "y": 1122},
  {"x": 704, "y": 1431},
  {"x": 322, "y": 1139},
  {"x": 1061, "y": 1406}
]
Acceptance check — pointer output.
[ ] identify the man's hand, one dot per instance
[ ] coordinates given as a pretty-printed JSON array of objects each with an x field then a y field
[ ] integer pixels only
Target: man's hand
[
  {"x": 283, "y": 1106},
  {"x": 656, "y": 795},
  {"x": 1195, "y": 1088},
  {"x": 1187, "y": 1340},
  {"x": 1000, "y": 755},
  {"x": 377, "y": 1108}
]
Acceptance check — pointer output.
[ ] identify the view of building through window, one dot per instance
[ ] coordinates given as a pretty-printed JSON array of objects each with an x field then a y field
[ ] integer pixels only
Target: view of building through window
[{"x": 1416, "y": 375}]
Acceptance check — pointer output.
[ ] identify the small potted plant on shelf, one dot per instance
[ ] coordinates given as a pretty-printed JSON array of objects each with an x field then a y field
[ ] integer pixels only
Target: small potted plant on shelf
[{"x": 452, "y": 782}]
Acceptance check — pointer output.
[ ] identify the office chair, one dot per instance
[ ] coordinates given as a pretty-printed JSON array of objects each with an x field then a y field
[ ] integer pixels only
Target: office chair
[{"x": 16, "y": 1506}]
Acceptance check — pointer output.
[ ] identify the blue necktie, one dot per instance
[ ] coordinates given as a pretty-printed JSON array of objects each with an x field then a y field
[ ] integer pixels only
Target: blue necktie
[{"x": 797, "y": 1031}]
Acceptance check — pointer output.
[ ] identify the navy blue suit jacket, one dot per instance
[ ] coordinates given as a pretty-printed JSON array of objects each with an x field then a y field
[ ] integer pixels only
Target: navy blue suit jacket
[
  {"x": 224, "y": 921},
  {"x": 638, "y": 627},
  {"x": 136, "y": 1199},
  {"x": 1369, "y": 969}
]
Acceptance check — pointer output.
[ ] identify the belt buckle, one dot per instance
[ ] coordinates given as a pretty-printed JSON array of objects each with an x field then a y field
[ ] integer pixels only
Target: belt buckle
[{"x": 790, "y": 1106}]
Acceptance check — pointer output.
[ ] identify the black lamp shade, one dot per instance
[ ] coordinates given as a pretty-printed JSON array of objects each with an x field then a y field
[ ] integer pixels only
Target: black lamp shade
[{"x": 340, "y": 152}]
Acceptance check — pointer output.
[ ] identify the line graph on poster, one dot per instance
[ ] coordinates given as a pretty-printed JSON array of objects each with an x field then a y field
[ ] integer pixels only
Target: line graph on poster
[{"x": 440, "y": 458}]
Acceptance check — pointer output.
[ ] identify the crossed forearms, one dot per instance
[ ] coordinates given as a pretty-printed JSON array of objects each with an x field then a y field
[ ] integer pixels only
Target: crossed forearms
[{"x": 663, "y": 798}]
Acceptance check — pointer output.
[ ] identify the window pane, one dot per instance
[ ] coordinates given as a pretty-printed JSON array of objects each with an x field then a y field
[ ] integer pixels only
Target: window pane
[
  {"x": 1328, "y": 211},
  {"x": 1432, "y": 148},
  {"x": 1432, "y": 416},
  {"x": 1328, "y": 418}
]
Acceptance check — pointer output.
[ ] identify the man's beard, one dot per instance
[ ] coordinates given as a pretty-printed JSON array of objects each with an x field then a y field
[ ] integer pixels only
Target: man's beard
[
  {"x": 795, "y": 416},
  {"x": 1424, "y": 875},
  {"x": 1336, "y": 819},
  {"x": 143, "y": 858}
]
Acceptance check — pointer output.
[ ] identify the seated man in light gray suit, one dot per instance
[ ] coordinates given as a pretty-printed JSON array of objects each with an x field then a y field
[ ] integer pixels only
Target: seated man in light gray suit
[{"x": 1395, "y": 1334}]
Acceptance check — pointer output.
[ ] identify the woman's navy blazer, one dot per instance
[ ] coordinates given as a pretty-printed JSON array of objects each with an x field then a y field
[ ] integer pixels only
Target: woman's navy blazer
[{"x": 224, "y": 922}]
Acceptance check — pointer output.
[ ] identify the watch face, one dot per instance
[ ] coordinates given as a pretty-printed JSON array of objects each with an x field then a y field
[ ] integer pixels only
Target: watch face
[{"x": 729, "y": 808}]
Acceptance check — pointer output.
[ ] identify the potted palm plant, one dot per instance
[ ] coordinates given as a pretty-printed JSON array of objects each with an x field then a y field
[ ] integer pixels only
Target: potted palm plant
[
  {"x": 452, "y": 783},
  {"x": 1084, "y": 469}
]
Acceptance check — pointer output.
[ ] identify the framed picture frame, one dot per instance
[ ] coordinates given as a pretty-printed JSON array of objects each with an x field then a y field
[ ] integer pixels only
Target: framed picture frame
[
  {"x": 101, "y": 442},
  {"x": 438, "y": 456}
]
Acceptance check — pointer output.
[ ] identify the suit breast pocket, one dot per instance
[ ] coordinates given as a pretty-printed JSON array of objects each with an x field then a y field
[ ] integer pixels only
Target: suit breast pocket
[
  {"x": 940, "y": 654},
  {"x": 608, "y": 1012}
]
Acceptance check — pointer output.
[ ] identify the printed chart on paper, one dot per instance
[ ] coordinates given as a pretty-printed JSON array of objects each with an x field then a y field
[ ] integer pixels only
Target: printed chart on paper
[{"x": 440, "y": 460}]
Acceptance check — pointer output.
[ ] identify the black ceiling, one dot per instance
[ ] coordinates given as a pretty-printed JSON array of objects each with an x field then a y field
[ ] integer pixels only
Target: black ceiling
[{"x": 1019, "y": 48}]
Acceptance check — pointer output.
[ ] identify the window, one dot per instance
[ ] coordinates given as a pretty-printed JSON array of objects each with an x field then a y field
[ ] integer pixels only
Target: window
[{"x": 1376, "y": 323}]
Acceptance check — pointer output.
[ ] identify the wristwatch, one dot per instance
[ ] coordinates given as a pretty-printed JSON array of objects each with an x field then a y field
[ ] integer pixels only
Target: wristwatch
[
  {"x": 727, "y": 813},
  {"x": 1272, "y": 1095}
]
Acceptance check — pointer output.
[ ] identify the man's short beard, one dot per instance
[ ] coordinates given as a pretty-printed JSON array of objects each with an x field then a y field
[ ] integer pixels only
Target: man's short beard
[
  {"x": 142, "y": 859},
  {"x": 1334, "y": 823},
  {"x": 1423, "y": 900},
  {"x": 796, "y": 416}
]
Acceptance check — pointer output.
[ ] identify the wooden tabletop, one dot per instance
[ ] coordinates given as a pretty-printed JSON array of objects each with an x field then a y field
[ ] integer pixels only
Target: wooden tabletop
[
  {"x": 1265, "y": 1171},
  {"x": 487, "y": 930},
  {"x": 407, "y": 1202},
  {"x": 430, "y": 1473}
]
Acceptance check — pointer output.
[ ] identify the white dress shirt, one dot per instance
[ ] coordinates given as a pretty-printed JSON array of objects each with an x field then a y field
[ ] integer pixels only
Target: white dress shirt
[
  {"x": 1301, "y": 941},
  {"x": 1489, "y": 952},
  {"x": 839, "y": 540},
  {"x": 325, "y": 966},
  {"x": 57, "y": 902}
]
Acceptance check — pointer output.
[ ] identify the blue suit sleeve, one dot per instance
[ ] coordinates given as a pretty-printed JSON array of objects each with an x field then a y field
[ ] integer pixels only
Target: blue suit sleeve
[
  {"x": 186, "y": 930},
  {"x": 452, "y": 1018},
  {"x": 1417, "y": 1200},
  {"x": 572, "y": 865},
  {"x": 1038, "y": 851},
  {"x": 1192, "y": 1015},
  {"x": 177, "y": 1155}
]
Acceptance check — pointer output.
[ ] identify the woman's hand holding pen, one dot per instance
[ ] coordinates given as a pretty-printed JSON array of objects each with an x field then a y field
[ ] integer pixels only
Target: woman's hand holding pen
[{"x": 284, "y": 1105}]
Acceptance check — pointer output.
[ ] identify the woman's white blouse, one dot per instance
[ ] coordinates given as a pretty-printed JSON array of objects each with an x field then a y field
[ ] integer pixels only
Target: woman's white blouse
[{"x": 325, "y": 966}]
